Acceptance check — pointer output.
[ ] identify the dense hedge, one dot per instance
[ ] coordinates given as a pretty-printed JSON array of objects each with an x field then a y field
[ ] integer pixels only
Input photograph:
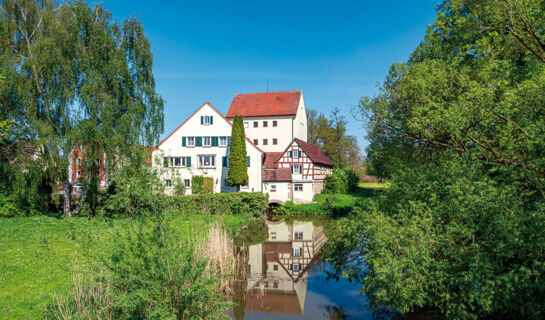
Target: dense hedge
[
  {"x": 341, "y": 181},
  {"x": 246, "y": 203},
  {"x": 202, "y": 185}
]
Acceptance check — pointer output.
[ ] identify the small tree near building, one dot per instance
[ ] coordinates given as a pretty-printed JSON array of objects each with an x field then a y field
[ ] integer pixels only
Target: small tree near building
[{"x": 238, "y": 170}]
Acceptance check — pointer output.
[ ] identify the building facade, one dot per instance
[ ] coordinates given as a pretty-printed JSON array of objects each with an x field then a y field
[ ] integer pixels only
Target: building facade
[{"x": 280, "y": 161}]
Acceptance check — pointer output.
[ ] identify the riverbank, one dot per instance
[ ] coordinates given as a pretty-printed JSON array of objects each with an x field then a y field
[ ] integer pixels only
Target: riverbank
[{"x": 39, "y": 254}]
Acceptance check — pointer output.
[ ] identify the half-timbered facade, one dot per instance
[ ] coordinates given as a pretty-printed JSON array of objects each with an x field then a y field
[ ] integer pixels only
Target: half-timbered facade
[{"x": 77, "y": 171}]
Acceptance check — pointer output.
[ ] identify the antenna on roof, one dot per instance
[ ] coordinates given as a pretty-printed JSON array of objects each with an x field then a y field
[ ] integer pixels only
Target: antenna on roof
[{"x": 267, "y": 85}]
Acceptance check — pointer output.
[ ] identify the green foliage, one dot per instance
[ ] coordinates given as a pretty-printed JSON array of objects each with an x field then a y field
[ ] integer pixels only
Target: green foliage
[
  {"x": 179, "y": 187},
  {"x": 255, "y": 233},
  {"x": 446, "y": 237},
  {"x": 332, "y": 184},
  {"x": 341, "y": 181},
  {"x": 202, "y": 185},
  {"x": 240, "y": 203},
  {"x": 8, "y": 207},
  {"x": 237, "y": 174},
  {"x": 76, "y": 76}
]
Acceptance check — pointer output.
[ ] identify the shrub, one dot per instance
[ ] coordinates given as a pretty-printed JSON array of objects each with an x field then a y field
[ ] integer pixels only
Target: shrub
[
  {"x": 202, "y": 185},
  {"x": 332, "y": 184},
  {"x": 8, "y": 207},
  {"x": 244, "y": 203}
]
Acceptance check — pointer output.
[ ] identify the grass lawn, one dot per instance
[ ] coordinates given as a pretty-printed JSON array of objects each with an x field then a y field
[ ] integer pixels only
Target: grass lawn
[
  {"x": 340, "y": 202},
  {"x": 38, "y": 255}
]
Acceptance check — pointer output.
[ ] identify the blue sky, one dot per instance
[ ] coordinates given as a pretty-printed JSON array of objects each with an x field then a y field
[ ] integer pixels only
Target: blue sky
[{"x": 335, "y": 51}]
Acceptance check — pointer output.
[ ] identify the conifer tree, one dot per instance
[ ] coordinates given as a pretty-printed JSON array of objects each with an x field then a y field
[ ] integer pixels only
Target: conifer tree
[{"x": 238, "y": 170}]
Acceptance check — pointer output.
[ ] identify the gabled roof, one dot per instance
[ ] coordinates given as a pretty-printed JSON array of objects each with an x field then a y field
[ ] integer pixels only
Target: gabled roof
[
  {"x": 279, "y": 103},
  {"x": 270, "y": 159},
  {"x": 219, "y": 113},
  {"x": 314, "y": 153}
]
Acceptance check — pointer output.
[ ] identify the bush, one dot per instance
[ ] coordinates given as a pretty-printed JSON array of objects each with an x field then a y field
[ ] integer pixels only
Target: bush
[
  {"x": 202, "y": 185},
  {"x": 8, "y": 207},
  {"x": 148, "y": 273},
  {"x": 244, "y": 203},
  {"x": 332, "y": 184}
]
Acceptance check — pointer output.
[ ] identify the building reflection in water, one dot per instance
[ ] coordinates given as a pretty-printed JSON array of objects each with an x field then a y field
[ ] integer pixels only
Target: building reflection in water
[{"x": 277, "y": 275}]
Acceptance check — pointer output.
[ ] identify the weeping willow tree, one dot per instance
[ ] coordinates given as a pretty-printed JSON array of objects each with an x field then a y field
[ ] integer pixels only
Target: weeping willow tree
[{"x": 74, "y": 77}]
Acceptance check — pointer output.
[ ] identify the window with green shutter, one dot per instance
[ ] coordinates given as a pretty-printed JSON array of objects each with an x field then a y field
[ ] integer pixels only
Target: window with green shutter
[
  {"x": 183, "y": 141},
  {"x": 188, "y": 162},
  {"x": 202, "y": 119},
  {"x": 165, "y": 162},
  {"x": 224, "y": 161},
  {"x": 248, "y": 161},
  {"x": 198, "y": 141},
  {"x": 211, "y": 119},
  {"x": 299, "y": 153},
  {"x": 214, "y": 141},
  {"x": 291, "y": 154}
]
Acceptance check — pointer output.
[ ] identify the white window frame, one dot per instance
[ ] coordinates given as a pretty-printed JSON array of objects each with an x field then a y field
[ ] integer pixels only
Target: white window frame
[
  {"x": 212, "y": 161},
  {"x": 168, "y": 183},
  {"x": 296, "y": 187},
  {"x": 190, "y": 142},
  {"x": 78, "y": 161},
  {"x": 187, "y": 183},
  {"x": 206, "y": 120},
  {"x": 273, "y": 187},
  {"x": 223, "y": 144},
  {"x": 246, "y": 125},
  {"x": 295, "y": 267},
  {"x": 300, "y": 171},
  {"x": 273, "y": 235},
  {"x": 298, "y": 235},
  {"x": 295, "y": 154},
  {"x": 204, "y": 144},
  {"x": 297, "y": 252},
  {"x": 182, "y": 164}
]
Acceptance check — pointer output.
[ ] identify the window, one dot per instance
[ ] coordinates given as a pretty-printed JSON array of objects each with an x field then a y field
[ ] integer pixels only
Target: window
[
  {"x": 295, "y": 267},
  {"x": 169, "y": 183},
  {"x": 187, "y": 183},
  {"x": 273, "y": 235},
  {"x": 265, "y": 124},
  {"x": 273, "y": 187},
  {"x": 265, "y": 142},
  {"x": 255, "y": 124},
  {"x": 255, "y": 141},
  {"x": 296, "y": 252},
  {"x": 266, "y": 284},
  {"x": 178, "y": 161},
  {"x": 78, "y": 161},
  {"x": 298, "y": 187},
  {"x": 296, "y": 169},
  {"x": 223, "y": 141},
  {"x": 207, "y": 161},
  {"x": 224, "y": 161},
  {"x": 295, "y": 154},
  {"x": 207, "y": 120},
  {"x": 248, "y": 161},
  {"x": 246, "y": 124},
  {"x": 190, "y": 141},
  {"x": 275, "y": 141},
  {"x": 275, "y": 267},
  {"x": 226, "y": 184},
  {"x": 206, "y": 141},
  {"x": 275, "y": 123},
  {"x": 78, "y": 174},
  {"x": 275, "y": 285},
  {"x": 298, "y": 235}
]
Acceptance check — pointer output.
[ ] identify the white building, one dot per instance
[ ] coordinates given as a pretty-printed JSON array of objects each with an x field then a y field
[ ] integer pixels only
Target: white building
[
  {"x": 280, "y": 161},
  {"x": 200, "y": 146}
]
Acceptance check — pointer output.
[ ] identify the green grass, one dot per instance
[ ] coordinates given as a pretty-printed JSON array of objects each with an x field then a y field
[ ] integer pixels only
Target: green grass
[
  {"x": 340, "y": 203},
  {"x": 38, "y": 255}
]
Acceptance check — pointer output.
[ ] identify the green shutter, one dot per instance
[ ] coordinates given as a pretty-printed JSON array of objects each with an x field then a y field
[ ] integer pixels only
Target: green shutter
[
  {"x": 202, "y": 120},
  {"x": 198, "y": 141},
  {"x": 228, "y": 141},
  {"x": 224, "y": 161},
  {"x": 299, "y": 153},
  {"x": 291, "y": 169},
  {"x": 211, "y": 119},
  {"x": 291, "y": 154},
  {"x": 165, "y": 162},
  {"x": 183, "y": 141},
  {"x": 188, "y": 162},
  {"x": 214, "y": 141},
  {"x": 248, "y": 161}
]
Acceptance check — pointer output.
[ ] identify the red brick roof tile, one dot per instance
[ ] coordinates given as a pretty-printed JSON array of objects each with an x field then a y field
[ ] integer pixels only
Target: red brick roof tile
[
  {"x": 280, "y": 103},
  {"x": 314, "y": 153},
  {"x": 271, "y": 158},
  {"x": 279, "y": 174}
]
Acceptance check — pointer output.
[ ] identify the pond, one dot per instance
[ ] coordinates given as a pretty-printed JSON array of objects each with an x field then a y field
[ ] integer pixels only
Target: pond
[{"x": 286, "y": 279}]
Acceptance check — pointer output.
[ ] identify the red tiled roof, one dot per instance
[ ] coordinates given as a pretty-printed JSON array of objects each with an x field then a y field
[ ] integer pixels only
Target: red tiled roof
[
  {"x": 314, "y": 153},
  {"x": 285, "y": 302},
  {"x": 279, "y": 174},
  {"x": 280, "y": 103},
  {"x": 271, "y": 158}
]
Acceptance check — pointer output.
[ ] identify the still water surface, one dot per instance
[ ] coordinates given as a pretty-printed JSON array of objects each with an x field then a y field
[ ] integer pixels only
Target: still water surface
[{"x": 286, "y": 279}]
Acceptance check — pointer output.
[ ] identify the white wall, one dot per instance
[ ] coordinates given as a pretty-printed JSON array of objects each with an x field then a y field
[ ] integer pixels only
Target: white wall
[
  {"x": 300, "y": 121},
  {"x": 283, "y": 132},
  {"x": 304, "y": 196},
  {"x": 172, "y": 147},
  {"x": 282, "y": 191}
]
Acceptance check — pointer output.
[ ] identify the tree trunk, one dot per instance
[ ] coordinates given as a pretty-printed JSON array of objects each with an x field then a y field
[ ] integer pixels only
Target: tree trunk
[{"x": 66, "y": 200}]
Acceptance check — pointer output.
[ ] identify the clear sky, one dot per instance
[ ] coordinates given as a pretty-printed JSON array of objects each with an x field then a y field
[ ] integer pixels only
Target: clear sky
[{"x": 335, "y": 51}]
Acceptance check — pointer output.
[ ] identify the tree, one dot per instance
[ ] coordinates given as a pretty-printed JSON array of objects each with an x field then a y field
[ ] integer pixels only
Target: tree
[
  {"x": 238, "y": 169},
  {"x": 77, "y": 77},
  {"x": 460, "y": 129}
]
